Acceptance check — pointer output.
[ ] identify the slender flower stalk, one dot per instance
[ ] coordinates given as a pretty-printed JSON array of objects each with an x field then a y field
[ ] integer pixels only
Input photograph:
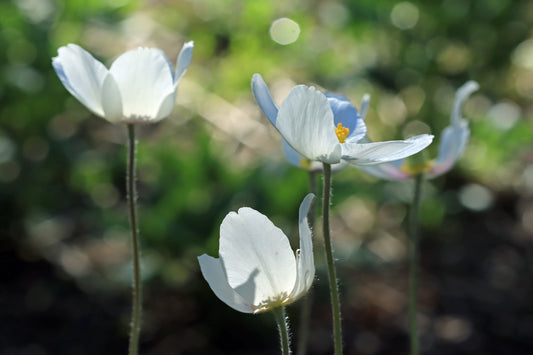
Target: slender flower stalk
[
  {"x": 132, "y": 204},
  {"x": 332, "y": 275},
  {"x": 307, "y": 302},
  {"x": 413, "y": 265},
  {"x": 283, "y": 327}
]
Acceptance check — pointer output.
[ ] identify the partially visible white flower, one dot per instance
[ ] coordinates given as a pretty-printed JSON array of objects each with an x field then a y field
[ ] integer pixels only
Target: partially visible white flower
[
  {"x": 257, "y": 269},
  {"x": 452, "y": 145},
  {"x": 329, "y": 130},
  {"x": 140, "y": 86}
]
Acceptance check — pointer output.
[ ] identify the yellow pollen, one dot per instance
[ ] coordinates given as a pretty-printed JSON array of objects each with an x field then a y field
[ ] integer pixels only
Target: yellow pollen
[
  {"x": 417, "y": 168},
  {"x": 342, "y": 132}
]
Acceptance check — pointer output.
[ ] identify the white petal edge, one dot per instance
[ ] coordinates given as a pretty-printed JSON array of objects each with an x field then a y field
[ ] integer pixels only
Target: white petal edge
[
  {"x": 452, "y": 144},
  {"x": 264, "y": 99},
  {"x": 257, "y": 256},
  {"x": 213, "y": 273},
  {"x": 111, "y": 100},
  {"x": 381, "y": 152},
  {"x": 183, "y": 62},
  {"x": 305, "y": 120},
  {"x": 365, "y": 104},
  {"x": 82, "y": 75},
  {"x": 304, "y": 256},
  {"x": 463, "y": 93},
  {"x": 387, "y": 171}
]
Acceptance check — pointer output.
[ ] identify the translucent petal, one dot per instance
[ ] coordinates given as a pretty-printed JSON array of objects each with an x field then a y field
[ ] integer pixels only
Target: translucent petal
[
  {"x": 264, "y": 99},
  {"x": 82, "y": 75},
  {"x": 452, "y": 145},
  {"x": 144, "y": 79},
  {"x": 257, "y": 257},
  {"x": 387, "y": 171},
  {"x": 305, "y": 259},
  {"x": 305, "y": 120},
  {"x": 111, "y": 100},
  {"x": 365, "y": 104},
  {"x": 183, "y": 61},
  {"x": 213, "y": 272},
  {"x": 380, "y": 152}
]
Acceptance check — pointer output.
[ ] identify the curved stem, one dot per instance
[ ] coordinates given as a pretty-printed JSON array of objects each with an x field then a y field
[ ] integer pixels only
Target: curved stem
[
  {"x": 283, "y": 327},
  {"x": 332, "y": 276},
  {"x": 136, "y": 288},
  {"x": 413, "y": 265},
  {"x": 306, "y": 304}
]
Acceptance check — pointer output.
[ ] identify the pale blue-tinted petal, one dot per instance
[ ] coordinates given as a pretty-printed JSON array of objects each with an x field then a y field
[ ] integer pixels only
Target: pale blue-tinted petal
[
  {"x": 305, "y": 120},
  {"x": 381, "y": 152},
  {"x": 292, "y": 156},
  {"x": 264, "y": 99},
  {"x": 167, "y": 105},
  {"x": 387, "y": 171},
  {"x": 254, "y": 249},
  {"x": 144, "y": 80},
  {"x": 346, "y": 114},
  {"x": 454, "y": 137},
  {"x": 365, "y": 104},
  {"x": 452, "y": 145},
  {"x": 183, "y": 61},
  {"x": 82, "y": 75},
  {"x": 304, "y": 256},
  {"x": 111, "y": 100},
  {"x": 213, "y": 272}
]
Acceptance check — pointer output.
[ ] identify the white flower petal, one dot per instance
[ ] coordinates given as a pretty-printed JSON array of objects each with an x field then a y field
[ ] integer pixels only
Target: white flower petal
[
  {"x": 82, "y": 75},
  {"x": 183, "y": 61},
  {"x": 264, "y": 99},
  {"x": 463, "y": 93},
  {"x": 213, "y": 272},
  {"x": 253, "y": 248},
  {"x": 144, "y": 79},
  {"x": 305, "y": 120},
  {"x": 111, "y": 100},
  {"x": 305, "y": 259},
  {"x": 167, "y": 105},
  {"x": 381, "y": 152},
  {"x": 452, "y": 145},
  {"x": 387, "y": 171},
  {"x": 365, "y": 104}
]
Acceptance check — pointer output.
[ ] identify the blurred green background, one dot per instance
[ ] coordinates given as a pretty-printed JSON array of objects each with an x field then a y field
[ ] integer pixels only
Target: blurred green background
[{"x": 64, "y": 245}]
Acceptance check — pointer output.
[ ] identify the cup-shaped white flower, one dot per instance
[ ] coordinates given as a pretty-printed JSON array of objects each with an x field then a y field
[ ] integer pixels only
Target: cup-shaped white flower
[
  {"x": 452, "y": 144},
  {"x": 329, "y": 130},
  {"x": 140, "y": 85},
  {"x": 257, "y": 270}
]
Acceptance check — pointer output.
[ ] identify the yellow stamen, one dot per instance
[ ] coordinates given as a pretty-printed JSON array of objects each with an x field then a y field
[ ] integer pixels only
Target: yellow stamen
[
  {"x": 417, "y": 168},
  {"x": 342, "y": 132}
]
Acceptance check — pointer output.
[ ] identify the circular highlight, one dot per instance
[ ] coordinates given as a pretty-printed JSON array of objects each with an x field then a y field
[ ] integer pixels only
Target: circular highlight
[
  {"x": 284, "y": 31},
  {"x": 404, "y": 15}
]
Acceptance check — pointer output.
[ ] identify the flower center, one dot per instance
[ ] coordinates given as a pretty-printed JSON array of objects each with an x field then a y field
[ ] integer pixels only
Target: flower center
[{"x": 341, "y": 132}]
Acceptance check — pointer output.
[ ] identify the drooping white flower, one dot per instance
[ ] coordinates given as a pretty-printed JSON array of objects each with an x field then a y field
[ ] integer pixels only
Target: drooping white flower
[
  {"x": 329, "y": 130},
  {"x": 140, "y": 85},
  {"x": 452, "y": 145},
  {"x": 257, "y": 269}
]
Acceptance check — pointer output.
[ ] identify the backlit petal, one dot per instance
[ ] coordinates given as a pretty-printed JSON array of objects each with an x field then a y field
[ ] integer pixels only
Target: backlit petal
[
  {"x": 82, "y": 75},
  {"x": 452, "y": 145},
  {"x": 305, "y": 259},
  {"x": 213, "y": 272},
  {"x": 257, "y": 257},
  {"x": 111, "y": 100},
  {"x": 144, "y": 79},
  {"x": 380, "y": 152},
  {"x": 387, "y": 171},
  {"x": 183, "y": 61},
  {"x": 305, "y": 120},
  {"x": 264, "y": 99}
]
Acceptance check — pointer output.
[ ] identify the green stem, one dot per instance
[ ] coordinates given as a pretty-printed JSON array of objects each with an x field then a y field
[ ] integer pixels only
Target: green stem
[
  {"x": 333, "y": 288},
  {"x": 306, "y": 304},
  {"x": 413, "y": 265},
  {"x": 136, "y": 288},
  {"x": 283, "y": 326}
]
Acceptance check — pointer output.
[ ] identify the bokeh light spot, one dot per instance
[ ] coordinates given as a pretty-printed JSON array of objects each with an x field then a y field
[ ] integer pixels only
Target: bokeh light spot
[
  {"x": 284, "y": 31},
  {"x": 404, "y": 15}
]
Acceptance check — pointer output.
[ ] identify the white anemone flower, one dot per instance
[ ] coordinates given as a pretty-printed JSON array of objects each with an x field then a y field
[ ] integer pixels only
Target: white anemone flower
[
  {"x": 452, "y": 144},
  {"x": 257, "y": 270},
  {"x": 140, "y": 85},
  {"x": 307, "y": 122}
]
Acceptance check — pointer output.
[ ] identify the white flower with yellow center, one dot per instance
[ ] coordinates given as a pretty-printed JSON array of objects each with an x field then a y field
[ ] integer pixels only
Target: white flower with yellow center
[
  {"x": 329, "y": 130},
  {"x": 257, "y": 270},
  {"x": 140, "y": 85}
]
